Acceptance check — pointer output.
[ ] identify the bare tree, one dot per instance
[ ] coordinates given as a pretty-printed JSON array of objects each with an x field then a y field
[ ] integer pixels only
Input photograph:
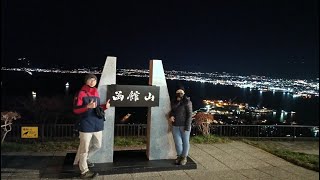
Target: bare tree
[
  {"x": 7, "y": 119},
  {"x": 203, "y": 121}
]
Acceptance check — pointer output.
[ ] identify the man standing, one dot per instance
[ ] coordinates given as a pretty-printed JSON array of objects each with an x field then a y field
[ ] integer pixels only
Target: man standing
[
  {"x": 90, "y": 127},
  {"x": 181, "y": 117}
]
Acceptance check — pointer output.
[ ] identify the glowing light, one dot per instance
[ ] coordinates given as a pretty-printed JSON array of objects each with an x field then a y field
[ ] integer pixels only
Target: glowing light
[
  {"x": 29, "y": 72},
  {"x": 34, "y": 95},
  {"x": 126, "y": 117}
]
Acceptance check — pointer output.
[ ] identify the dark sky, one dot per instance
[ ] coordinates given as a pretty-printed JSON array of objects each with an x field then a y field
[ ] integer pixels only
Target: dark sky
[{"x": 269, "y": 37}]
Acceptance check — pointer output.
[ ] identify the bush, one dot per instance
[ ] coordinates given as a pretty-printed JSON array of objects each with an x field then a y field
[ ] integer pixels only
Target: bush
[{"x": 208, "y": 139}]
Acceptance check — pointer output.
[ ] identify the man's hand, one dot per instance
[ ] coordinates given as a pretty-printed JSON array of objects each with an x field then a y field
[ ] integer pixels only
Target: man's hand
[
  {"x": 92, "y": 104},
  {"x": 108, "y": 104},
  {"x": 171, "y": 119}
]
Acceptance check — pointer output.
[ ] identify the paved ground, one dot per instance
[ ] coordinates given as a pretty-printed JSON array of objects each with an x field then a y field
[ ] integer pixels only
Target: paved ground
[{"x": 235, "y": 160}]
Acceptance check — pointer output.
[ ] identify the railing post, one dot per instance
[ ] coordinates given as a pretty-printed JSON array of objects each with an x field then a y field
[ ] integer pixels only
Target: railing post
[
  {"x": 294, "y": 133},
  {"x": 258, "y": 131},
  {"x": 42, "y": 132}
]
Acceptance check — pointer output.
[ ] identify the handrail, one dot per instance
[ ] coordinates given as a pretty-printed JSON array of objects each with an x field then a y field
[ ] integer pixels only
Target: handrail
[{"x": 48, "y": 131}]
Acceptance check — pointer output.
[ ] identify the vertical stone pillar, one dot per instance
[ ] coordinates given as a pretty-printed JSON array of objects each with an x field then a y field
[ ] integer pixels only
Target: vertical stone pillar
[
  {"x": 108, "y": 77},
  {"x": 160, "y": 143}
]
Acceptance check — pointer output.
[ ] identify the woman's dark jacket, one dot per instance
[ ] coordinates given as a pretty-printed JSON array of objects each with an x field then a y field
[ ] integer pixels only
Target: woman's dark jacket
[{"x": 182, "y": 112}]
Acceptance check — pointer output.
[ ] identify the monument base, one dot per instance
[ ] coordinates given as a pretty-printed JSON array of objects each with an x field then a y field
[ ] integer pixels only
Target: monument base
[{"x": 130, "y": 161}]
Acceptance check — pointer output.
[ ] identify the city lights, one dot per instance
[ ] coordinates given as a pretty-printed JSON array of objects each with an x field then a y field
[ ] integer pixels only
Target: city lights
[{"x": 293, "y": 87}]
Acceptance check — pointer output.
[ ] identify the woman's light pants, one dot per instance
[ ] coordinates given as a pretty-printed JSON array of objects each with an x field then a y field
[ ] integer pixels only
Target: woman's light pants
[{"x": 181, "y": 140}]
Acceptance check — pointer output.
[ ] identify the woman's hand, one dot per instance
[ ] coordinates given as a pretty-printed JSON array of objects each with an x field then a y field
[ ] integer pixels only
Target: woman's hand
[
  {"x": 171, "y": 119},
  {"x": 108, "y": 104}
]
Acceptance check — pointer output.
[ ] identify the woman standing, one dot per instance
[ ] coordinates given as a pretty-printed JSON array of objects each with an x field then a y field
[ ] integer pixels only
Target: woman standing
[{"x": 181, "y": 117}]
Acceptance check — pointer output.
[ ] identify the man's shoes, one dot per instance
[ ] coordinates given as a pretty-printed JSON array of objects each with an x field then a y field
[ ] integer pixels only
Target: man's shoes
[
  {"x": 89, "y": 175},
  {"x": 90, "y": 164},
  {"x": 178, "y": 159},
  {"x": 183, "y": 161}
]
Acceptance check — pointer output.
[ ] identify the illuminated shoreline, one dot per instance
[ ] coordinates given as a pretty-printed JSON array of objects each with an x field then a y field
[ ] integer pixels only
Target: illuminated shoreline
[{"x": 295, "y": 87}]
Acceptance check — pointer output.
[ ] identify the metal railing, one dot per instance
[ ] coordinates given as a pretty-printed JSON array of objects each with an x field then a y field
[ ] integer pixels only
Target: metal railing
[
  {"x": 261, "y": 131},
  {"x": 130, "y": 130},
  {"x": 56, "y": 131}
]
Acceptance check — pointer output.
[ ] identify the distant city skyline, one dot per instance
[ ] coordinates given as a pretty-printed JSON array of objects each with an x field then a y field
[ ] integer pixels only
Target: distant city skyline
[
  {"x": 273, "y": 38},
  {"x": 26, "y": 63},
  {"x": 295, "y": 87}
]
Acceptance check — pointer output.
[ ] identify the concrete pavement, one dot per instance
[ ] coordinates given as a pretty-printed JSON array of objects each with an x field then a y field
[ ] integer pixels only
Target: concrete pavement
[{"x": 234, "y": 160}]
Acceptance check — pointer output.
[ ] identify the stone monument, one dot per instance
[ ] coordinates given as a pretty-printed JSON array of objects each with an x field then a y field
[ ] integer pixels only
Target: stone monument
[{"x": 160, "y": 143}]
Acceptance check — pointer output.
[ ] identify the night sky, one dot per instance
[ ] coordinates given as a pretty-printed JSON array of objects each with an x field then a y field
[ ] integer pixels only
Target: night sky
[{"x": 265, "y": 37}]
